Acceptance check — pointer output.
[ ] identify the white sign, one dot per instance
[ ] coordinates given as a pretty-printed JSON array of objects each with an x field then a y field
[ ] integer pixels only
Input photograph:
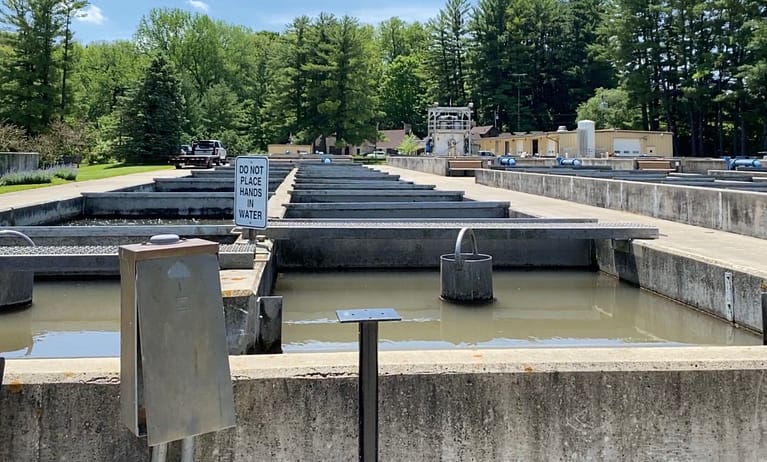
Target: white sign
[{"x": 251, "y": 191}]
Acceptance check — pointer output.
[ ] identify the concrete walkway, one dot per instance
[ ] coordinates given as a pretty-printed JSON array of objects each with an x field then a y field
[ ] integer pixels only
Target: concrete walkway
[
  {"x": 735, "y": 251},
  {"x": 72, "y": 190}
]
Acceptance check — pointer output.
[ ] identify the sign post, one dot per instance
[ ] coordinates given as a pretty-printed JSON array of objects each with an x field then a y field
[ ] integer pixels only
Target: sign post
[{"x": 251, "y": 191}]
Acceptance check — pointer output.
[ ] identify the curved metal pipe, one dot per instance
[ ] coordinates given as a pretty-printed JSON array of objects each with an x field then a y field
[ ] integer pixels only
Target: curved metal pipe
[
  {"x": 458, "y": 256},
  {"x": 10, "y": 232}
]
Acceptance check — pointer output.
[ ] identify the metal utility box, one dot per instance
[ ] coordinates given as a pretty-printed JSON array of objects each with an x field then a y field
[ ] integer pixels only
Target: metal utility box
[{"x": 174, "y": 366}]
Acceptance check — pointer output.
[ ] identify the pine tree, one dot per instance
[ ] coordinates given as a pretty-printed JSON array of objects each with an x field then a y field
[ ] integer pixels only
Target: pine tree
[
  {"x": 67, "y": 9},
  {"x": 28, "y": 95},
  {"x": 155, "y": 116}
]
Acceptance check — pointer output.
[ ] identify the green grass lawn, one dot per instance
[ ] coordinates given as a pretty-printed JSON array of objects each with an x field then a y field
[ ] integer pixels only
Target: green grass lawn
[{"x": 90, "y": 172}]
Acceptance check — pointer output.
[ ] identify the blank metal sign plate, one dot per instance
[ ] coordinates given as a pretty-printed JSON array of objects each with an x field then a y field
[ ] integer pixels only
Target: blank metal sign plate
[
  {"x": 185, "y": 363},
  {"x": 367, "y": 315}
]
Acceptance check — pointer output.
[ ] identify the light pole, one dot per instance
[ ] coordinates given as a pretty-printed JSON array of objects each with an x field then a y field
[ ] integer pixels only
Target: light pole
[
  {"x": 519, "y": 84},
  {"x": 602, "y": 107},
  {"x": 468, "y": 133}
]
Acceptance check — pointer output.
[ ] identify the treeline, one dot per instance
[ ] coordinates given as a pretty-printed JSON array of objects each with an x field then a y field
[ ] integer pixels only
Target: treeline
[{"x": 697, "y": 68}]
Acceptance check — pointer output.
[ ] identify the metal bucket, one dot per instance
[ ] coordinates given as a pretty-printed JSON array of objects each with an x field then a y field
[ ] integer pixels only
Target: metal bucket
[
  {"x": 466, "y": 277},
  {"x": 16, "y": 286}
]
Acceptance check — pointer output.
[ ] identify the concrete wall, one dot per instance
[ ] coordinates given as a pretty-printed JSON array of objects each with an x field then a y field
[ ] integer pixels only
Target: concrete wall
[
  {"x": 698, "y": 165},
  {"x": 733, "y": 211},
  {"x": 159, "y": 204},
  {"x": 700, "y": 284},
  {"x": 43, "y": 214},
  {"x": 409, "y": 252},
  {"x": 435, "y": 165},
  {"x": 18, "y": 161},
  {"x": 683, "y": 404}
]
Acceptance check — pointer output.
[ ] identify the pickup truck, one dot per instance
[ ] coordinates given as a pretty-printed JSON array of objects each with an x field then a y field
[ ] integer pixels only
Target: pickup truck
[{"x": 205, "y": 153}]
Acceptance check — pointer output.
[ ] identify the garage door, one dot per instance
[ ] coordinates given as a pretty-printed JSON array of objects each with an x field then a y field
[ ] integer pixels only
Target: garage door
[{"x": 627, "y": 146}]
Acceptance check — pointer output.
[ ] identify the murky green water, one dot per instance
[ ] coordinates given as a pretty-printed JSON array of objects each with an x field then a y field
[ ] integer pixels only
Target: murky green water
[
  {"x": 533, "y": 309},
  {"x": 66, "y": 319}
]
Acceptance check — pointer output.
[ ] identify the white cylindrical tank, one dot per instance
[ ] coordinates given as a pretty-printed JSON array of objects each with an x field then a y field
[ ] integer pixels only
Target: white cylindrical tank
[{"x": 586, "y": 138}]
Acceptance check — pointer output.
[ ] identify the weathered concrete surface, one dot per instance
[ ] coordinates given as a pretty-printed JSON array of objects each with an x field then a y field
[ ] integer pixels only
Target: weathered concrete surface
[
  {"x": 15, "y": 289},
  {"x": 733, "y": 211},
  {"x": 695, "y": 282},
  {"x": 55, "y": 211},
  {"x": 275, "y": 207},
  {"x": 97, "y": 260},
  {"x": 445, "y": 209},
  {"x": 346, "y": 252},
  {"x": 698, "y": 165},
  {"x": 682, "y": 404},
  {"x": 201, "y": 185},
  {"x": 374, "y": 185},
  {"x": 742, "y": 175},
  {"x": 18, "y": 161},
  {"x": 331, "y": 244},
  {"x": 365, "y": 195},
  {"x": 121, "y": 234},
  {"x": 159, "y": 204},
  {"x": 435, "y": 165}
]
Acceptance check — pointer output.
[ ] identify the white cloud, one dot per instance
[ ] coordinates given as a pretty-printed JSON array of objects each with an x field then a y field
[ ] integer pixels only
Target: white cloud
[
  {"x": 91, "y": 14},
  {"x": 198, "y": 5}
]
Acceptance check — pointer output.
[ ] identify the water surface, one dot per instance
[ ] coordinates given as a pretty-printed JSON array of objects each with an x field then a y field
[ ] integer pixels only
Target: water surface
[{"x": 532, "y": 309}]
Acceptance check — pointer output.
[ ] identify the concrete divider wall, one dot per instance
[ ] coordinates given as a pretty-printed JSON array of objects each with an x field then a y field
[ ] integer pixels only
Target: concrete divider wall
[
  {"x": 435, "y": 165},
  {"x": 407, "y": 252},
  {"x": 159, "y": 204},
  {"x": 613, "y": 162},
  {"x": 554, "y": 404},
  {"x": 696, "y": 165},
  {"x": 18, "y": 161},
  {"x": 700, "y": 284},
  {"x": 46, "y": 213},
  {"x": 733, "y": 211}
]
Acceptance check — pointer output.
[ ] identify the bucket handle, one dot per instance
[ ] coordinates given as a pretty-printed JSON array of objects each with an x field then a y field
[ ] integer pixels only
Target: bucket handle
[
  {"x": 458, "y": 255},
  {"x": 10, "y": 232}
]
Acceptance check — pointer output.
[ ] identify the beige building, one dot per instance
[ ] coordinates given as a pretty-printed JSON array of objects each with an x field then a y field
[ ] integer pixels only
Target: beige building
[
  {"x": 289, "y": 149},
  {"x": 563, "y": 143}
]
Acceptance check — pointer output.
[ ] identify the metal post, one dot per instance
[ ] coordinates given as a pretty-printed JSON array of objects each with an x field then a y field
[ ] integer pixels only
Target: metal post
[
  {"x": 368, "y": 391},
  {"x": 519, "y": 85},
  {"x": 2, "y": 369},
  {"x": 368, "y": 374},
  {"x": 764, "y": 318}
]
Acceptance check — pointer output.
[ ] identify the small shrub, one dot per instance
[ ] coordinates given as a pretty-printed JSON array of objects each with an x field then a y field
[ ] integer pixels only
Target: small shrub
[
  {"x": 27, "y": 177},
  {"x": 103, "y": 152},
  {"x": 12, "y": 138},
  {"x": 62, "y": 141},
  {"x": 65, "y": 173}
]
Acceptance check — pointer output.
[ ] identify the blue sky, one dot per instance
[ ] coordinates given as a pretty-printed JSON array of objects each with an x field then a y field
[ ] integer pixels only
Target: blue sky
[{"x": 117, "y": 19}]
